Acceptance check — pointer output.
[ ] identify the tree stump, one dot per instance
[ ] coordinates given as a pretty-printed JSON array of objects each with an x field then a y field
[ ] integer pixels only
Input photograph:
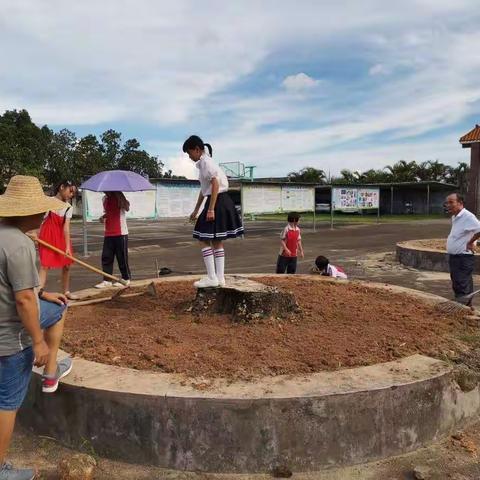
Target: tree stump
[{"x": 245, "y": 300}]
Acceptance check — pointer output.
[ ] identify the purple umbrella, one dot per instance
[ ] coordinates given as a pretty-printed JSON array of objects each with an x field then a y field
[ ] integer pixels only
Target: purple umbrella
[{"x": 117, "y": 181}]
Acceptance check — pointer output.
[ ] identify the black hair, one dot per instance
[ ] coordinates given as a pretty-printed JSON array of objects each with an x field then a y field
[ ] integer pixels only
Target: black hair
[
  {"x": 63, "y": 183},
  {"x": 293, "y": 217},
  {"x": 321, "y": 262},
  {"x": 194, "y": 141}
]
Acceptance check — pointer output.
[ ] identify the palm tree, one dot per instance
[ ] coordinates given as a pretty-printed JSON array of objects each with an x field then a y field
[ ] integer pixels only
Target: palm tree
[
  {"x": 309, "y": 175},
  {"x": 403, "y": 171}
]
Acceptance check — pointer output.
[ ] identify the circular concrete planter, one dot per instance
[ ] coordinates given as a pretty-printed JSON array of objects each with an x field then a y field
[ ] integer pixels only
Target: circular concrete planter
[
  {"x": 413, "y": 254},
  {"x": 306, "y": 423}
]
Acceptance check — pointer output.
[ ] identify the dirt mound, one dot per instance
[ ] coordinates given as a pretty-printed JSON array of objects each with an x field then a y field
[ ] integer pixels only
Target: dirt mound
[
  {"x": 439, "y": 244},
  {"x": 341, "y": 325}
]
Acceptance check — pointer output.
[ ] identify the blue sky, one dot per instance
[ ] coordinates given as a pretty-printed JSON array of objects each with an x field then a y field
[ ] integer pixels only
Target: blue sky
[{"x": 276, "y": 84}]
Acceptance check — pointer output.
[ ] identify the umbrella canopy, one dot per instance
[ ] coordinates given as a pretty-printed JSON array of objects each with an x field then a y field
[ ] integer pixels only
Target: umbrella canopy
[{"x": 117, "y": 181}]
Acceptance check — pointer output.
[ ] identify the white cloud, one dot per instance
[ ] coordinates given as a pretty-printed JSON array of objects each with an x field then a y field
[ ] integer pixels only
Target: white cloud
[
  {"x": 378, "y": 69},
  {"x": 181, "y": 165},
  {"x": 299, "y": 82}
]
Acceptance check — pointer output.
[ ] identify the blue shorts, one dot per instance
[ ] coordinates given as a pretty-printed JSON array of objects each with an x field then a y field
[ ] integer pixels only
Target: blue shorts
[
  {"x": 50, "y": 313},
  {"x": 16, "y": 369}
]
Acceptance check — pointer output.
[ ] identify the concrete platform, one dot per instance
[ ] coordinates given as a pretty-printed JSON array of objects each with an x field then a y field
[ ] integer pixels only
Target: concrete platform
[
  {"x": 307, "y": 423},
  {"x": 411, "y": 254}
]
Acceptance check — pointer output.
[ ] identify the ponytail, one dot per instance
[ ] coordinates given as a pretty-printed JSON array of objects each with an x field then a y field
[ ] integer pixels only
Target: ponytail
[{"x": 208, "y": 147}]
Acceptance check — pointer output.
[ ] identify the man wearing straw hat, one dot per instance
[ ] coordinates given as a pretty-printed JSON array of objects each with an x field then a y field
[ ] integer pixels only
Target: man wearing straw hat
[{"x": 31, "y": 322}]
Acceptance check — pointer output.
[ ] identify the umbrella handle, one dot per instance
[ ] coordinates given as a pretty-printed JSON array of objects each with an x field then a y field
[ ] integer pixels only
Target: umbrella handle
[{"x": 79, "y": 262}]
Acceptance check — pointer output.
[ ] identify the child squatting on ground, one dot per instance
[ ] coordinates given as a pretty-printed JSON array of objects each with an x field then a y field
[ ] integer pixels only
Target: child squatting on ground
[
  {"x": 324, "y": 267},
  {"x": 219, "y": 219},
  {"x": 55, "y": 230},
  {"x": 115, "y": 242},
  {"x": 291, "y": 243},
  {"x": 31, "y": 320}
]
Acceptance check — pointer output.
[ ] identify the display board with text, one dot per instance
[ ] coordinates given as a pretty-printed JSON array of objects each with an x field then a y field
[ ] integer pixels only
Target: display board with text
[
  {"x": 142, "y": 205},
  {"x": 258, "y": 199},
  {"x": 177, "y": 200},
  {"x": 349, "y": 199}
]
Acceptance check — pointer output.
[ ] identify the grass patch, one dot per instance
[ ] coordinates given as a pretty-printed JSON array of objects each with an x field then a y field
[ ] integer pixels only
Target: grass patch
[{"x": 349, "y": 218}]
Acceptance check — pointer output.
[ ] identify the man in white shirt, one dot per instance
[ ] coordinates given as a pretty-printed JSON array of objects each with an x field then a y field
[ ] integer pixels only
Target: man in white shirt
[{"x": 460, "y": 246}]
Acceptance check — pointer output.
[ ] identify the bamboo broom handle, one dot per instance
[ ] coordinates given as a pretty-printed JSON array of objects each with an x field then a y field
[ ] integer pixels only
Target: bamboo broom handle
[{"x": 76, "y": 260}]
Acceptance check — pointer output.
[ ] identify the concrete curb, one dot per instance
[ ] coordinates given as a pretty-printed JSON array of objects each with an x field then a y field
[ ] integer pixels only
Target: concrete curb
[
  {"x": 306, "y": 423},
  {"x": 411, "y": 254}
]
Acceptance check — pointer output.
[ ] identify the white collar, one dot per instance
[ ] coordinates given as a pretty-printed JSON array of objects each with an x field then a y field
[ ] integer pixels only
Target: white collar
[
  {"x": 459, "y": 214},
  {"x": 202, "y": 159}
]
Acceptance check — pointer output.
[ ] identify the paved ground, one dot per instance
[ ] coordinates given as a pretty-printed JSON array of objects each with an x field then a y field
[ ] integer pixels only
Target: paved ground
[{"x": 366, "y": 251}]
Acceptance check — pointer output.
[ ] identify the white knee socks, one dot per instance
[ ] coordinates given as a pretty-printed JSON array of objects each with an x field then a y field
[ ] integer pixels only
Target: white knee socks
[
  {"x": 220, "y": 264},
  {"x": 207, "y": 253}
]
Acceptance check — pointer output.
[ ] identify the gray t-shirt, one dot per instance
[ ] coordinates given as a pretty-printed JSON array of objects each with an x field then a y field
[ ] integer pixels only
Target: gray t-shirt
[{"x": 17, "y": 272}]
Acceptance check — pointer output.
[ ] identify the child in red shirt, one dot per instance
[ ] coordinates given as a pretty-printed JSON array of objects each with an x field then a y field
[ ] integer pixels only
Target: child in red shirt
[
  {"x": 115, "y": 242},
  {"x": 291, "y": 243}
]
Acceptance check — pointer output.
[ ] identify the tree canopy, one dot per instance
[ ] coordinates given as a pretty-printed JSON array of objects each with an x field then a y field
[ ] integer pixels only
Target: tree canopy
[
  {"x": 52, "y": 156},
  {"x": 401, "y": 171},
  {"x": 308, "y": 174}
]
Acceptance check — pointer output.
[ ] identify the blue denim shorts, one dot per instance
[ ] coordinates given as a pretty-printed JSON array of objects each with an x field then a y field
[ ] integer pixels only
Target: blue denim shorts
[
  {"x": 50, "y": 313},
  {"x": 16, "y": 369}
]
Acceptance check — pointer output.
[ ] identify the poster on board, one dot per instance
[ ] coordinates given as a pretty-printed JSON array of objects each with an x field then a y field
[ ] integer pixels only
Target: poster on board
[
  {"x": 261, "y": 199},
  {"x": 298, "y": 199},
  {"x": 344, "y": 199},
  {"x": 354, "y": 199},
  {"x": 176, "y": 200},
  {"x": 368, "y": 198},
  {"x": 258, "y": 199},
  {"x": 142, "y": 204}
]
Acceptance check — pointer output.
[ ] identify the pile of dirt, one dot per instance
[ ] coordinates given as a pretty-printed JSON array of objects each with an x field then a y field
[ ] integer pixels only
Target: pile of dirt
[
  {"x": 439, "y": 244},
  {"x": 340, "y": 325}
]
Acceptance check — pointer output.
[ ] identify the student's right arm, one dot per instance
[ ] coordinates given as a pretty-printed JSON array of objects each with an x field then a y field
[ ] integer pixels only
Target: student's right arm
[
  {"x": 283, "y": 237},
  {"x": 27, "y": 308},
  {"x": 285, "y": 248},
  {"x": 194, "y": 214}
]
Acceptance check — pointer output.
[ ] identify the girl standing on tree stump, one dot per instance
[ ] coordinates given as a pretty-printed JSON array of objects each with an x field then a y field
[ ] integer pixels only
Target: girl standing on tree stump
[
  {"x": 55, "y": 230},
  {"x": 218, "y": 220}
]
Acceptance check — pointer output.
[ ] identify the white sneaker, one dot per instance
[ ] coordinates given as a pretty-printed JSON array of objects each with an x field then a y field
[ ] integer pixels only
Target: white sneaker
[
  {"x": 104, "y": 284},
  {"x": 206, "y": 282},
  {"x": 118, "y": 284},
  {"x": 221, "y": 282}
]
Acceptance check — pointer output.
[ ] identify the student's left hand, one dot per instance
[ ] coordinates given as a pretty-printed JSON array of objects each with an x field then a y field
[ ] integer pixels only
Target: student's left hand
[
  {"x": 58, "y": 298},
  {"x": 210, "y": 215},
  {"x": 472, "y": 246},
  {"x": 302, "y": 254}
]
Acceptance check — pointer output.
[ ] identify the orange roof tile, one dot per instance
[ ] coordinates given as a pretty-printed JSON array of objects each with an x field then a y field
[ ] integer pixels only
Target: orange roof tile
[{"x": 473, "y": 136}]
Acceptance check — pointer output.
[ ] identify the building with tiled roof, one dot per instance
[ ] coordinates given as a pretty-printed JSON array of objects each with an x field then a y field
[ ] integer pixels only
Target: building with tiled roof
[
  {"x": 471, "y": 140},
  {"x": 473, "y": 136}
]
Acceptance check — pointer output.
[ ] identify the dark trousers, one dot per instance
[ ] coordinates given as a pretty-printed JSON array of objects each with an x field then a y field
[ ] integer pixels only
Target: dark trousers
[
  {"x": 116, "y": 247},
  {"x": 286, "y": 263},
  {"x": 461, "y": 271}
]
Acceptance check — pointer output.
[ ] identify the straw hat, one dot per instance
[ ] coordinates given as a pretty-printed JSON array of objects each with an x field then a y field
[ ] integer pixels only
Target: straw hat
[{"x": 24, "y": 196}]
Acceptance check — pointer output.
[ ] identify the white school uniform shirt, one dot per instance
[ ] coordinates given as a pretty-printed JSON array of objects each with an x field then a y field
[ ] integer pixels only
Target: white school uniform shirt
[
  {"x": 333, "y": 271},
  {"x": 208, "y": 169},
  {"x": 464, "y": 225}
]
